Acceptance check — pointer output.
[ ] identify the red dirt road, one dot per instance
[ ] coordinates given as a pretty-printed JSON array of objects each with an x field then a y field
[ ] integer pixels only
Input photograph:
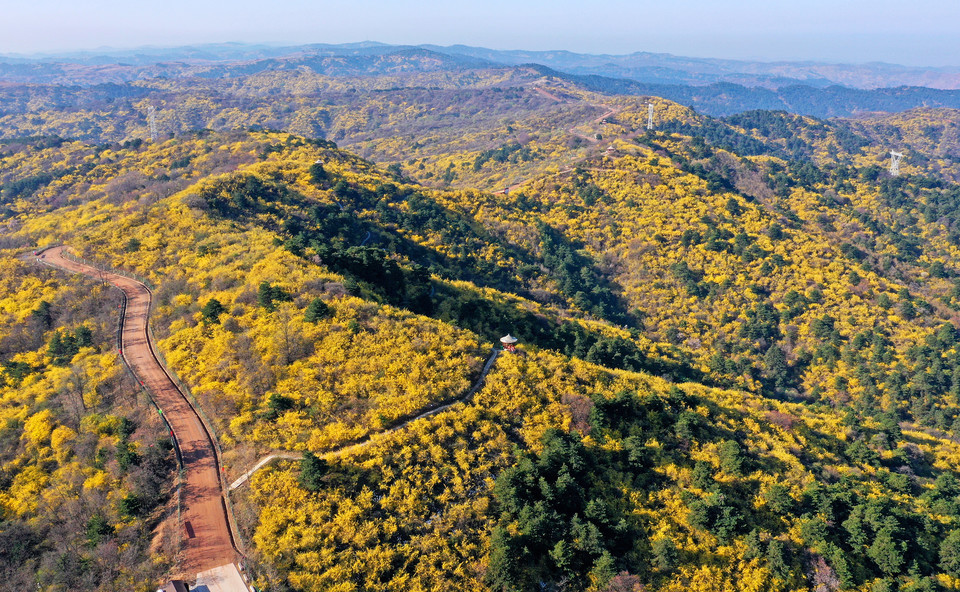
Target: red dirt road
[{"x": 205, "y": 531}]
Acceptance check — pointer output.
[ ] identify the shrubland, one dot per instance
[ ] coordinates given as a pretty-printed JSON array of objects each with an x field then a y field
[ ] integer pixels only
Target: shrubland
[
  {"x": 87, "y": 474},
  {"x": 738, "y": 360}
]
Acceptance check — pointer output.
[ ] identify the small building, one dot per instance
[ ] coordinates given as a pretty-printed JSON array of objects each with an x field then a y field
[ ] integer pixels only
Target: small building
[
  {"x": 175, "y": 586},
  {"x": 226, "y": 578},
  {"x": 509, "y": 343}
]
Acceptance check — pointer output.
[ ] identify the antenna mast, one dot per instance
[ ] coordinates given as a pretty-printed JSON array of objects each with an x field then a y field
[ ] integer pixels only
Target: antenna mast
[
  {"x": 152, "y": 117},
  {"x": 895, "y": 158},
  {"x": 649, "y": 116}
]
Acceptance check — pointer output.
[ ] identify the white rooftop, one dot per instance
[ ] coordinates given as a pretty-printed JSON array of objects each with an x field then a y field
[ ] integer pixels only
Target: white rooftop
[{"x": 225, "y": 578}]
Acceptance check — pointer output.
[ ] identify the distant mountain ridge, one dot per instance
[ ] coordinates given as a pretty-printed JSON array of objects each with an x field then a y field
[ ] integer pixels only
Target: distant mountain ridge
[
  {"x": 360, "y": 60},
  {"x": 646, "y": 67},
  {"x": 713, "y": 87},
  {"x": 670, "y": 69},
  {"x": 725, "y": 98}
]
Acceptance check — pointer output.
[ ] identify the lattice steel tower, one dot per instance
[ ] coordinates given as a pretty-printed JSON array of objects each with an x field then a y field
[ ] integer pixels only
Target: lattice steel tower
[
  {"x": 895, "y": 158},
  {"x": 649, "y": 116},
  {"x": 152, "y": 118}
]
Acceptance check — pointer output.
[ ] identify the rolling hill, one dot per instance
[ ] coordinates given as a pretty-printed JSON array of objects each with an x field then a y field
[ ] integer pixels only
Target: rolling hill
[
  {"x": 714, "y": 87},
  {"x": 738, "y": 356},
  {"x": 645, "y": 67}
]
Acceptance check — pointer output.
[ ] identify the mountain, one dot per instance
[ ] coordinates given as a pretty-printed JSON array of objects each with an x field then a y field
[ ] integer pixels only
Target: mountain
[
  {"x": 207, "y": 53},
  {"x": 724, "y": 98},
  {"x": 660, "y": 68},
  {"x": 644, "y": 67},
  {"x": 737, "y": 365},
  {"x": 217, "y": 72},
  {"x": 231, "y": 62}
]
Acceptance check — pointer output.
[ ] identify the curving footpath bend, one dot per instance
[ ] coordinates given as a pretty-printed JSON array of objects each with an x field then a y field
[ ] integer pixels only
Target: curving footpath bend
[
  {"x": 351, "y": 448},
  {"x": 207, "y": 539}
]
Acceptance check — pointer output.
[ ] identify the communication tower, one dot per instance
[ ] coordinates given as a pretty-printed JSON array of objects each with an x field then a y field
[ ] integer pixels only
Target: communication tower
[
  {"x": 649, "y": 116},
  {"x": 895, "y": 158},
  {"x": 152, "y": 117}
]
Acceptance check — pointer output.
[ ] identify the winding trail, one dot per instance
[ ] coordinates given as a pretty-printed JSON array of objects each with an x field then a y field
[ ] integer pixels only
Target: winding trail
[
  {"x": 206, "y": 535},
  {"x": 560, "y": 173},
  {"x": 207, "y": 539},
  {"x": 609, "y": 112},
  {"x": 350, "y": 448}
]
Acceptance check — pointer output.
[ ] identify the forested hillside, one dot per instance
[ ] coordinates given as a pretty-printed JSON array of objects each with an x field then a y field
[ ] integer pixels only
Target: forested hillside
[
  {"x": 87, "y": 472},
  {"x": 716, "y": 86},
  {"x": 422, "y": 107},
  {"x": 737, "y": 369}
]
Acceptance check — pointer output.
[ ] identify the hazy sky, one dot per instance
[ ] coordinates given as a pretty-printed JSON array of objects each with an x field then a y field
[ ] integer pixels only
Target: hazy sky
[{"x": 921, "y": 32}]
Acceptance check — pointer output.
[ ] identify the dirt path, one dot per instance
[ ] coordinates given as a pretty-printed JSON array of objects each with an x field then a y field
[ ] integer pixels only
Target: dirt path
[
  {"x": 206, "y": 535},
  {"x": 260, "y": 463},
  {"x": 561, "y": 173},
  {"x": 545, "y": 93},
  {"x": 349, "y": 448},
  {"x": 610, "y": 112},
  {"x": 597, "y": 120},
  {"x": 520, "y": 184}
]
